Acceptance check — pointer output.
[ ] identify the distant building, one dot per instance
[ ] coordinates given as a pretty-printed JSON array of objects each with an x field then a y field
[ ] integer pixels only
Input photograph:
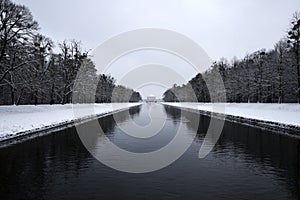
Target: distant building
[{"x": 151, "y": 98}]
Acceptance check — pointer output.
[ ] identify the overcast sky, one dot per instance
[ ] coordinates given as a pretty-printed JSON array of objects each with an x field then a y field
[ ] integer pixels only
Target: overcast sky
[{"x": 223, "y": 28}]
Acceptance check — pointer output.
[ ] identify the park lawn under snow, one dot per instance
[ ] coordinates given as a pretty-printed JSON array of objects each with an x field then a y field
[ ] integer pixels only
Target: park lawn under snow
[
  {"x": 17, "y": 119},
  {"x": 288, "y": 114}
]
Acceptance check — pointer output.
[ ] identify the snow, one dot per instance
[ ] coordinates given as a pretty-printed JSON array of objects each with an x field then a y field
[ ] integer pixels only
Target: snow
[
  {"x": 28, "y": 118},
  {"x": 288, "y": 114}
]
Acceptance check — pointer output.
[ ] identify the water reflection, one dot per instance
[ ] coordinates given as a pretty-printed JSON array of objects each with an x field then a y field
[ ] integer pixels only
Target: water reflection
[
  {"x": 135, "y": 111},
  {"x": 274, "y": 152},
  {"x": 172, "y": 112},
  {"x": 246, "y": 163},
  {"x": 28, "y": 168}
]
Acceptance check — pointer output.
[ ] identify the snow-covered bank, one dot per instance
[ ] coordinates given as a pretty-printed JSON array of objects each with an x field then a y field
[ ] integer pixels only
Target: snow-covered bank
[
  {"x": 15, "y": 120},
  {"x": 287, "y": 114}
]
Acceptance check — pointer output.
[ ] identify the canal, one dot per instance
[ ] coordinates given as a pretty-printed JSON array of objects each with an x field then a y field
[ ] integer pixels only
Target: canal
[{"x": 246, "y": 163}]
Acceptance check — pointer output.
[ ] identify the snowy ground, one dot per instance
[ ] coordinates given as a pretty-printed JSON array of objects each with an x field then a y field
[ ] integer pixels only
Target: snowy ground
[
  {"x": 28, "y": 118},
  {"x": 288, "y": 114}
]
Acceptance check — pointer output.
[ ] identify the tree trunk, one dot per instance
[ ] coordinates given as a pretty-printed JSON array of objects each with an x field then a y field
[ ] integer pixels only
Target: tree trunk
[
  {"x": 19, "y": 98},
  {"x": 12, "y": 90},
  {"x": 298, "y": 71}
]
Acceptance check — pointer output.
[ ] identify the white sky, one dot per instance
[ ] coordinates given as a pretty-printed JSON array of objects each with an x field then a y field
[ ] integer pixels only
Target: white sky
[{"x": 223, "y": 28}]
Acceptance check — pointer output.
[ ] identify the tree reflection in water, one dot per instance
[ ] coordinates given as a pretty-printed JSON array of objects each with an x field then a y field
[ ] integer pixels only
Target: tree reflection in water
[{"x": 269, "y": 149}]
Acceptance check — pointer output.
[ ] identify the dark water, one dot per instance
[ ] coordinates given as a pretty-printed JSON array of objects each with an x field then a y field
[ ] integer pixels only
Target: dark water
[{"x": 246, "y": 163}]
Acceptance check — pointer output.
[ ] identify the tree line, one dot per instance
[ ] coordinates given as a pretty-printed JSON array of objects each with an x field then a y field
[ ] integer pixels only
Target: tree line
[
  {"x": 271, "y": 76},
  {"x": 31, "y": 73}
]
